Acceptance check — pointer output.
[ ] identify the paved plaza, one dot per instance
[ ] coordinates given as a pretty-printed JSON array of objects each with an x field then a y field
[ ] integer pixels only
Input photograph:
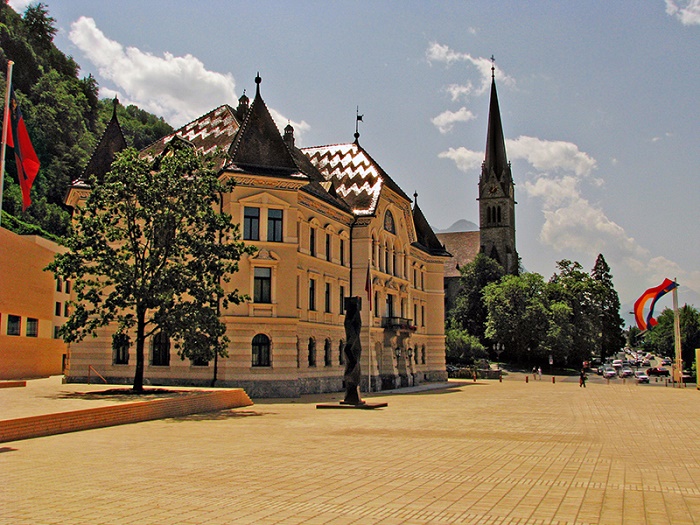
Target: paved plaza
[{"x": 472, "y": 453}]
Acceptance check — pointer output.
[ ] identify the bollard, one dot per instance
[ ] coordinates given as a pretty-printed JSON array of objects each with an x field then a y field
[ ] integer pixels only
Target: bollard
[
  {"x": 500, "y": 378},
  {"x": 553, "y": 380},
  {"x": 475, "y": 377},
  {"x": 527, "y": 379}
]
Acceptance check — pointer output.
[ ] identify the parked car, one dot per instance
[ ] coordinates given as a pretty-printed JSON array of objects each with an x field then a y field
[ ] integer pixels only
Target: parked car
[
  {"x": 658, "y": 371},
  {"x": 609, "y": 373},
  {"x": 666, "y": 362},
  {"x": 626, "y": 372},
  {"x": 641, "y": 377}
]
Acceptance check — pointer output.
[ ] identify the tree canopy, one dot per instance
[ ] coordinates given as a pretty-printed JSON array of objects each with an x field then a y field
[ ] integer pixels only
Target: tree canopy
[
  {"x": 64, "y": 116},
  {"x": 150, "y": 253}
]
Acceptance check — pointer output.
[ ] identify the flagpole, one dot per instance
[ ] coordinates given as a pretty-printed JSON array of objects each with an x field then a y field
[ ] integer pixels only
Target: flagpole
[
  {"x": 5, "y": 127},
  {"x": 677, "y": 338}
]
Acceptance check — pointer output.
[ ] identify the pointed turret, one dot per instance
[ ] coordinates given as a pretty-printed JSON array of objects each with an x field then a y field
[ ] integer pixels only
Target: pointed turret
[{"x": 496, "y": 160}]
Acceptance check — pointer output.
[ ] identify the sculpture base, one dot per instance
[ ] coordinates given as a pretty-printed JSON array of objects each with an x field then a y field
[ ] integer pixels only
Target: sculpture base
[{"x": 362, "y": 406}]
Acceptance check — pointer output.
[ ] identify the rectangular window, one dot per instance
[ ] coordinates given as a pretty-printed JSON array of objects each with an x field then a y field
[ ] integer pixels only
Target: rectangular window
[
  {"x": 376, "y": 304},
  {"x": 312, "y": 241},
  {"x": 328, "y": 246},
  {"x": 251, "y": 224},
  {"x": 312, "y": 294},
  {"x": 342, "y": 252},
  {"x": 328, "y": 298},
  {"x": 274, "y": 225},
  {"x": 59, "y": 285},
  {"x": 415, "y": 314},
  {"x": 57, "y": 310},
  {"x": 422, "y": 315},
  {"x": 14, "y": 323},
  {"x": 65, "y": 309},
  {"x": 67, "y": 286},
  {"x": 262, "y": 286},
  {"x": 389, "y": 305},
  {"x": 342, "y": 300},
  {"x": 32, "y": 327}
]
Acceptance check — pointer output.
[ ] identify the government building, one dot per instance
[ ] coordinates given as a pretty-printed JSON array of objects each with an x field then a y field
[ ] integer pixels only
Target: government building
[{"x": 327, "y": 223}]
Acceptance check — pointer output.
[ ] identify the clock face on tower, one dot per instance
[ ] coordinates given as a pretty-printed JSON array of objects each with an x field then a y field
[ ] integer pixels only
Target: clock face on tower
[{"x": 493, "y": 189}]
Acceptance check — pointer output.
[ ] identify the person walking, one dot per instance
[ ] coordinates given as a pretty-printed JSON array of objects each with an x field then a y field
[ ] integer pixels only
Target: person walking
[
  {"x": 539, "y": 372},
  {"x": 582, "y": 379}
]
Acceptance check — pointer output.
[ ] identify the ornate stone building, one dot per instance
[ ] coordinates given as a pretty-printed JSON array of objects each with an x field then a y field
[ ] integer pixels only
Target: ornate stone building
[{"x": 328, "y": 223}]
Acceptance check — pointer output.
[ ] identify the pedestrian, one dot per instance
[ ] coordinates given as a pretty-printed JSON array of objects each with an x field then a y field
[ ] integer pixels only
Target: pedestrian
[
  {"x": 534, "y": 373},
  {"x": 582, "y": 379},
  {"x": 539, "y": 372}
]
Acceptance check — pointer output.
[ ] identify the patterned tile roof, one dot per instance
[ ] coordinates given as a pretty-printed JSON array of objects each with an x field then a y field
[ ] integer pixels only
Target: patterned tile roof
[
  {"x": 216, "y": 129},
  {"x": 356, "y": 177}
]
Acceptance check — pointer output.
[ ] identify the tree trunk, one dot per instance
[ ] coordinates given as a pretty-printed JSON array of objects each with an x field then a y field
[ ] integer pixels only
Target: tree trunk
[{"x": 140, "y": 343}]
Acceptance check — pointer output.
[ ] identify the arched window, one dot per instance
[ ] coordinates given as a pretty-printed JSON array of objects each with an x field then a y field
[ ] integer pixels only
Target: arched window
[
  {"x": 120, "y": 349},
  {"x": 341, "y": 351},
  {"x": 160, "y": 352},
  {"x": 312, "y": 351},
  {"x": 261, "y": 350},
  {"x": 327, "y": 353},
  {"x": 389, "y": 222}
]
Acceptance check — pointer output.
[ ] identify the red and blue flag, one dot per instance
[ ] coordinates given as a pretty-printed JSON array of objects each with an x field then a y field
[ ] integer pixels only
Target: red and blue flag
[
  {"x": 25, "y": 157},
  {"x": 653, "y": 294}
]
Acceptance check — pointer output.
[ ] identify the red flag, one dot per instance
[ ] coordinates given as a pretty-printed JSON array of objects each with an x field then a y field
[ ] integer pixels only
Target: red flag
[
  {"x": 653, "y": 294},
  {"x": 25, "y": 157},
  {"x": 368, "y": 288}
]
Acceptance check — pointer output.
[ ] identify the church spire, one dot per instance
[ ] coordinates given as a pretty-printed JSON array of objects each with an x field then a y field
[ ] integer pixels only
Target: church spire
[{"x": 496, "y": 158}]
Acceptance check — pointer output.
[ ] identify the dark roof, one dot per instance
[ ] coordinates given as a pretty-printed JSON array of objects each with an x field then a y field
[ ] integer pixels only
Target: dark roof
[
  {"x": 355, "y": 175},
  {"x": 496, "y": 158},
  {"x": 213, "y": 131},
  {"x": 425, "y": 237},
  {"x": 464, "y": 247},
  {"x": 111, "y": 143},
  {"x": 259, "y": 144}
]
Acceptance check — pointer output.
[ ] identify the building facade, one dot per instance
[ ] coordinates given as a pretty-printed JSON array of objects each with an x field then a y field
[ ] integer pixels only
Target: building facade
[
  {"x": 33, "y": 305},
  {"x": 328, "y": 223}
]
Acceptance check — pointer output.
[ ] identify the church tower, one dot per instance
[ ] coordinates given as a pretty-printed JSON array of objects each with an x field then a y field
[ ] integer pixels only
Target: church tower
[{"x": 497, "y": 194}]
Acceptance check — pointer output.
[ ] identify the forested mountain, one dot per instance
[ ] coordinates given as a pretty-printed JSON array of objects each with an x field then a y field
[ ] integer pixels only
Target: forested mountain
[{"x": 63, "y": 114}]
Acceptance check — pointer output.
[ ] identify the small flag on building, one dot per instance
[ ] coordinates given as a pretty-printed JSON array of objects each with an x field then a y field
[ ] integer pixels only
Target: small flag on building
[
  {"x": 368, "y": 288},
  {"x": 25, "y": 157}
]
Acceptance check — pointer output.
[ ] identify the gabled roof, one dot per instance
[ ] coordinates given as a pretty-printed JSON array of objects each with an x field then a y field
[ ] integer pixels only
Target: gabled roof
[
  {"x": 425, "y": 237},
  {"x": 355, "y": 175},
  {"x": 464, "y": 247},
  {"x": 211, "y": 132},
  {"x": 111, "y": 143}
]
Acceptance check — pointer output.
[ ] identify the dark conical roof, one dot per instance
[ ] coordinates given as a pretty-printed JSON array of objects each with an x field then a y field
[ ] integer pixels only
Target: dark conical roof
[
  {"x": 111, "y": 143},
  {"x": 496, "y": 158}
]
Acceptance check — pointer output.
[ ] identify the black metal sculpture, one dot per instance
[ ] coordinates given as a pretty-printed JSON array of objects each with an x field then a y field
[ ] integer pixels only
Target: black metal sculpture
[{"x": 353, "y": 351}]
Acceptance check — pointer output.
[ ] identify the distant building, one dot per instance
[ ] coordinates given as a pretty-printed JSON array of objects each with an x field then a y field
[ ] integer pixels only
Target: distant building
[
  {"x": 324, "y": 220},
  {"x": 32, "y": 307},
  {"x": 496, "y": 235}
]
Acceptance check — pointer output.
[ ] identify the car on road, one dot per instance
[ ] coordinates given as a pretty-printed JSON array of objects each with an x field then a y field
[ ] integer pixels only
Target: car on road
[
  {"x": 641, "y": 377},
  {"x": 626, "y": 372},
  {"x": 666, "y": 362},
  {"x": 609, "y": 373},
  {"x": 658, "y": 371}
]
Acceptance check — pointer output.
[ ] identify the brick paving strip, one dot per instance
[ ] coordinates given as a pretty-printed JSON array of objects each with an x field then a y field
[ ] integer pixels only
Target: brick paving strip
[{"x": 475, "y": 453}]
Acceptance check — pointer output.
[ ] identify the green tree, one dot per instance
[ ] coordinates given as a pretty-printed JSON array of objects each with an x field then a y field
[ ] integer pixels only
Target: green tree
[
  {"x": 469, "y": 312},
  {"x": 609, "y": 304},
  {"x": 517, "y": 315},
  {"x": 577, "y": 289},
  {"x": 661, "y": 340},
  {"x": 463, "y": 348},
  {"x": 150, "y": 253}
]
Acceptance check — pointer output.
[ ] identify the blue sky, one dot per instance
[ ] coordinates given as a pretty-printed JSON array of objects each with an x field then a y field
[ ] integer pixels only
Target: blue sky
[{"x": 600, "y": 104}]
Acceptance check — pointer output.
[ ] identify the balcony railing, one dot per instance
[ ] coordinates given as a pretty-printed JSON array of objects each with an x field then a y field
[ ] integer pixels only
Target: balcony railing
[{"x": 398, "y": 323}]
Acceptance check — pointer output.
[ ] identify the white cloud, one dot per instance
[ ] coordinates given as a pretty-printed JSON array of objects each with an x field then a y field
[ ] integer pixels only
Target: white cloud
[
  {"x": 178, "y": 88},
  {"x": 688, "y": 15},
  {"x": 464, "y": 158},
  {"x": 545, "y": 155},
  {"x": 458, "y": 91},
  {"x": 446, "y": 120},
  {"x": 20, "y": 5},
  {"x": 441, "y": 53}
]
